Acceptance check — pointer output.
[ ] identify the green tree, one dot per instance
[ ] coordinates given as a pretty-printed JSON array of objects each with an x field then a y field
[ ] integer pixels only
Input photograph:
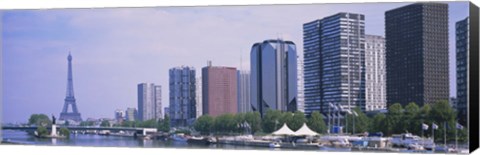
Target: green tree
[
  {"x": 440, "y": 113},
  {"x": 393, "y": 119},
  {"x": 362, "y": 122},
  {"x": 42, "y": 131},
  {"x": 410, "y": 121},
  {"x": 105, "y": 123},
  {"x": 164, "y": 124},
  {"x": 151, "y": 123},
  {"x": 64, "y": 132},
  {"x": 287, "y": 117},
  {"x": 87, "y": 123},
  {"x": 39, "y": 120},
  {"x": 225, "y": 124},
  {"x": 379, "y": 123},
  {"x": 204, "y": 124},
  {"x": 254, "y": 120},
  {"x": 316, "y": 123},
  {"x": 239, "y": 119},
  {"x": 271, "y": 121},
  {"x": 297, "y": 120}
]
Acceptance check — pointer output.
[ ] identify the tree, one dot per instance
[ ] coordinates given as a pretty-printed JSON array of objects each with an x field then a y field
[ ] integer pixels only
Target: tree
[
  {"x": 164, "y": 124},
  {"x": 39, "y": 120},
  {"x": 225, "y": 124},
  {"x": 254, "y": 120},
  {"x": 393, "y": 119},
  {"x": 410, "y": 121},
  {"x": 362, "y": 122},
  {"x": 271, "y": 121},
  {"x": 286, "y": 118},
  {"x": 379, "y": 123},
  {"x": 64, "y": 132},
  {"x": 440, "y": 113},
  {"x": 87, "y": 123},
  {"x": 239, "y": 119},
  {"x": 297, "y": 120},
  {"x": 42, "y": 131},
  {"x": 105, "y": 123},
  {"x": 316, "y": 123},
  {"x": 204, "y": 124}
]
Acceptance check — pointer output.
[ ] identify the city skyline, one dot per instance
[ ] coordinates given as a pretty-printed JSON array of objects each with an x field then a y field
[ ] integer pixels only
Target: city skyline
[{"x": 142, "y": 61}]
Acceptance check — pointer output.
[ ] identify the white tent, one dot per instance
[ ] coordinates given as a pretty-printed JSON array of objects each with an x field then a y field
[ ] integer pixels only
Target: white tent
[
  {"x": 284, "y": 130},
  {"x": 305, "y": 131}
]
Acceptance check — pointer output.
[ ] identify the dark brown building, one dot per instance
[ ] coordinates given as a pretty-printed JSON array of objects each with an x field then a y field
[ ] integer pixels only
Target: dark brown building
[
  {"x": 219, "y": 90},
  {"x": 417, "y": 53}
]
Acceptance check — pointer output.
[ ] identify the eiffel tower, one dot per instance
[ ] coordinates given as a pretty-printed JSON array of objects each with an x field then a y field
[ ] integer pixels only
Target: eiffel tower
[{"x": 70, "y": 98}]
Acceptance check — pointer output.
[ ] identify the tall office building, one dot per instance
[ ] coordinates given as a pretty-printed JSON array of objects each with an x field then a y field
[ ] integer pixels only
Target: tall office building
[
  {"x": 375, "y": 84},
  {"x": 199, "y": 96},
  {"x": 334, "y": 51},
  {"x": 273, "y": 66},
  {"x": 243, "y": 92},
  {"x": 182, "y": 96},
  {"x": 131, "y": 114},
  {"x": 462, "y": 48},
  {"x": 300, "y": 85},
  {"x": 219, "y": 90},
  {"x": 149, "y": 101},
  {"x": 417, "y": 53}
]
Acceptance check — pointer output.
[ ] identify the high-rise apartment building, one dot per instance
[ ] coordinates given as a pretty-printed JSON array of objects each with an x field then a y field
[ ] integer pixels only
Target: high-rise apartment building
[
  {"x": 182, "y": 96},
  {"x": 219, "y": 90},
  {"x": 462, "y": 48},
  {"x": 273, "y": 66},
  {"x": 334, "y": 53},
  {"x": 417, "y": 53},
  {"x": 131, "y": 114},
  {"x": 243, "y": 92},
  {"x": 149, "y": 101},
  {"x": 375, "y": 84},
  {"x": 300, "y": 85},
  {"x": 199, "y": 96}
]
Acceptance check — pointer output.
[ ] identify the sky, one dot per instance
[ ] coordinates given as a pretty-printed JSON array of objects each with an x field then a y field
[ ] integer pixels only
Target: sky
[{"x": 114, "y": 49}]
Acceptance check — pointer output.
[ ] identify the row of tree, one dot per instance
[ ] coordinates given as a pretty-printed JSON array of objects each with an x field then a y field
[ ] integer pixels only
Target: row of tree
[{"x": 397, "y": 120}]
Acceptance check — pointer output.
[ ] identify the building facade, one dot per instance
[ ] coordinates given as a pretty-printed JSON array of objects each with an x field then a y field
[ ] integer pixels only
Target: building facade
[
  {"x": 120, "y": 116},
  {"x": 149, "y": 101},
  {"x": 300, "y": 85},
  {"x": 417, "y": 53},
  {"x": 243, "y": 92},
  {"x": 199, "y": 96},
  {"x": 219, "y": 90},
  {"x": 462, "y": 48},
  {"x": 334, "y": 53},
  {"x": 131, "y": 114},
  {"x": 273, "y": 65},
  {"x": 375, "y": 84},
  {"x": 182, "y": 86}
]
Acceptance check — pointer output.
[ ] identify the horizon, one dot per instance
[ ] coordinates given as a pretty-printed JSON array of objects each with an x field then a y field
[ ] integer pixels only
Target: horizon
[{"x": 114, "y": 49}]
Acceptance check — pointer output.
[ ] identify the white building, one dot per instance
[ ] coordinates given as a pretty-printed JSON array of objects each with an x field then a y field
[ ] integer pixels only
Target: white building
[
  {"x": 375, "y": 73},
  {"x": 149, "y": 101},
  {"x": 300, "y": 85}
]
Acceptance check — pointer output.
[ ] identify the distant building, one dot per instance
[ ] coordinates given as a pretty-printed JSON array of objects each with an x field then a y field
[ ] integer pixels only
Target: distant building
[
  {"x": 375, "y": 80},
  {"x": 219, "y": 90},
  {"x": 300, "y": 85},
  {"x": 417, "y": 54},
  {"x": 243, "y": 82},
  {"x": 119, "y": 116},
  {"x": 131, "y": 114},
  {"x": 462, "y": 44},
  {"x": 273, "y": 66},
  {"x": 199, "y": 96},
  {"x": 182, "y": 96},
  {"x": 149, "y": 101},
  {"x": 334, "y": 54}
]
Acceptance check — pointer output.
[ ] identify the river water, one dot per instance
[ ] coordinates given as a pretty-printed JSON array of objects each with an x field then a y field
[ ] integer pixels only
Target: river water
[{"x": 110, "y": 141}]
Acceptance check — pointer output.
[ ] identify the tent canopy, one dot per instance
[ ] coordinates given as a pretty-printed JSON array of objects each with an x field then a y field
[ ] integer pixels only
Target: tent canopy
[
  {"x": 284, "y": 130},
  {"x": 305, "y": 131}
]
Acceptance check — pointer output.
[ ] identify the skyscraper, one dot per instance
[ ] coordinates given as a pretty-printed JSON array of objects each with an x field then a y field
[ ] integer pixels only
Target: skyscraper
[
  {"x": 199, "y": 96},
  {"x": 462, "y": 48},
  {"x": 182, "y": 96},
  {"x": 375, "y": 84},
  {"x": 273, "y": 66},
  {"x": 300, "y": 85},
  {"x": 131, "y": 114},
  {"x": 219, "y": 90},
  {"x": 243, "y": 92},
  {"x": 149, "y": 101},
  {"x": 417, "y": 53},
  {"x": 334, "y": 51}
]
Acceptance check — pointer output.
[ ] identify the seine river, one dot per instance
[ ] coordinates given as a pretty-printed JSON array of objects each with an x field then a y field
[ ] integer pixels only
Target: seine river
[{"x": 109, "y": 141}]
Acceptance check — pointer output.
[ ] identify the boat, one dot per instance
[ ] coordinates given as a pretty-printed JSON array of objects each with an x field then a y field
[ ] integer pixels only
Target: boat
[
  {"x": 408, "y": 140},
  {"x": 274, "y": 145},
  {"x": 198, "y": 140},
  {"x": 179, "y": 138}
]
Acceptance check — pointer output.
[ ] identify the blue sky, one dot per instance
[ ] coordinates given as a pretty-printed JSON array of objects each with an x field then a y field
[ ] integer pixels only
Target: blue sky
[{"x": 114, "y": 49}]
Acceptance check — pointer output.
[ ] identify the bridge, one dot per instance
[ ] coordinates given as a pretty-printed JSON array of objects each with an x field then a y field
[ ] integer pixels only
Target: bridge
[{"x": 142, "y": 131}]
